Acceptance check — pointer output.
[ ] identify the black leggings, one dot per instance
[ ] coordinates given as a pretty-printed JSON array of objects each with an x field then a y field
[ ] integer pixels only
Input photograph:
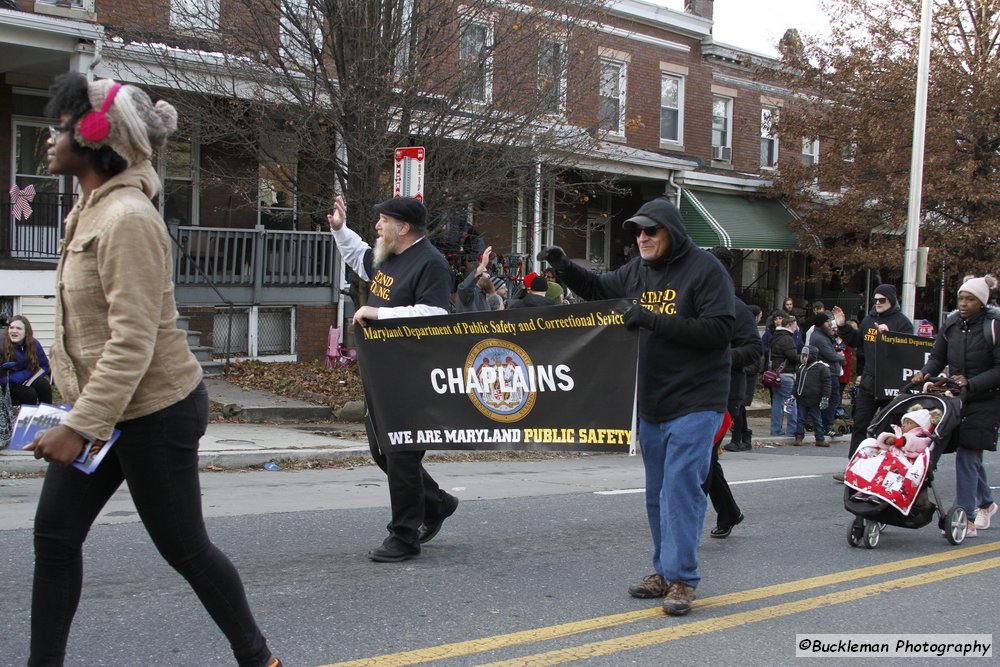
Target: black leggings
[
  {"x": 40, "y": 391},
  {"x": 157, "y": 456}
]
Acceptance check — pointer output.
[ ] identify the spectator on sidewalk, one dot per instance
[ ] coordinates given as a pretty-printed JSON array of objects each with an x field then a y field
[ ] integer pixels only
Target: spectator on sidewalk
[
  {"x": 685, "y": 320},
  {"x": 409, "y": 278},
  {"x": 20, "y": 348},
  {"x": 121, "y": 361},
  {"x": 812, "y": 394},
  {"x": 471, "y": 295},
  {"x": 535, "y": 297},
  {"x": 785, "y": 360},
  {"x": 823, "y": 340}
]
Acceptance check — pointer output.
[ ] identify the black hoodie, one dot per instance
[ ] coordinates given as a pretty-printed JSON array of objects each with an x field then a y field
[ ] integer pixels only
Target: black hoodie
[
  {"x": 863, "y": 338},
  {"x": 684, "y": 361}
]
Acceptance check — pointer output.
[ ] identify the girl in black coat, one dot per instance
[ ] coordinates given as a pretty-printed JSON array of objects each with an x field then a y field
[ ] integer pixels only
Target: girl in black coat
[{"x": 969, "y": 345}]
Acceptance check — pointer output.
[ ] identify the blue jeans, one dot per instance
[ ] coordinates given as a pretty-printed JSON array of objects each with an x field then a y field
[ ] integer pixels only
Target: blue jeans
[
  {"x": 779, "y": 395},
  {"x": 805, "y": 413},
  {"x": 676, "y": 455},
  {"x": 157, "y": 456},
  {"x": 835, "y": 401},
  {"x": 971, "y": 488}
]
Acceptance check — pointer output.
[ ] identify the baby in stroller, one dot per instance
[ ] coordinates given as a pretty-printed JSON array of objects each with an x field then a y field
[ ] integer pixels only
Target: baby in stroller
[{"x": 910, "y": 439}]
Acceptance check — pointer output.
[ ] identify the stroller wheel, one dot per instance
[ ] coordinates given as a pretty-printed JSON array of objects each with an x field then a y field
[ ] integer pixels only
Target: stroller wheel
[
  {"x": 871, "y": 534},
  {"x": 855, "y": 532},
  {"x": 956, "y": 524}
]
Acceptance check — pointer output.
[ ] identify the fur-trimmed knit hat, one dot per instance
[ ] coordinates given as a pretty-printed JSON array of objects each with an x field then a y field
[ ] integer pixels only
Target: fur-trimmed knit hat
[
  {"x": 979, "y": 287},
  {"x": 125, "y": 120}
]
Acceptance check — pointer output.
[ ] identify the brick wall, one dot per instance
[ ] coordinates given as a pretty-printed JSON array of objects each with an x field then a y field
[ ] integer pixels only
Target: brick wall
[
  {"x": 312, "y": 323},
  {"x": 201, "y": 319}
]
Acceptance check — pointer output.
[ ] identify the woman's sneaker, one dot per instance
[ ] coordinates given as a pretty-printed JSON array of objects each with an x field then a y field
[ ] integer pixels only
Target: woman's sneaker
[{"x": 983, "y": 516}]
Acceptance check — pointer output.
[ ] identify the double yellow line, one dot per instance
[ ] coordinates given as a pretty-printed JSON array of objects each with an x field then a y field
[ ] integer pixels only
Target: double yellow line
[{"x": 670, "y": 633}]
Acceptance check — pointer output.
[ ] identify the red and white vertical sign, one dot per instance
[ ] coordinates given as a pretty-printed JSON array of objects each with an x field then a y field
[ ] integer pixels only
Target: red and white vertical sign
[{"x": 408, "y": 175}]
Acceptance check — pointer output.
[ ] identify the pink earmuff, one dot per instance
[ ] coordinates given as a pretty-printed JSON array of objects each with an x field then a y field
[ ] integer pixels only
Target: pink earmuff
[{"x": 95, "y": 127}]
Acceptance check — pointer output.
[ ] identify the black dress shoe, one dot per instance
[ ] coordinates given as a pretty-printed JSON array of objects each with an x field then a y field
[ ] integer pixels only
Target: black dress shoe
[
  {"x": 432, "y": 528},
  {"x": 392, "y": 554},
  {"x": 722, "y": 532}
]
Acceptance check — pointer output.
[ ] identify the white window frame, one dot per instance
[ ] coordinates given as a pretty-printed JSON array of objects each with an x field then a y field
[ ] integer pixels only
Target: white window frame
[
  {"x": 194, "y": 180},
  {"x": 769, "y": 116},
  {"x": 679, "y": 79},
  {"x": 293, "y": 34},
  {"x": 278, "y": 153},
  {"x": 560, "y": 80},
  {"x": 195, "y": 15},
  {"x": 720, "y": 150},
  {"x": 487, "y": 63},
  {"x": 622, "y": 65},
  {"x": 810, "y": 152}
]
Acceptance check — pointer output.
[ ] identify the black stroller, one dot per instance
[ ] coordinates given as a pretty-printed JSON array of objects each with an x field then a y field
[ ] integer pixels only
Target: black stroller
[{"x": 869, "y": 519}]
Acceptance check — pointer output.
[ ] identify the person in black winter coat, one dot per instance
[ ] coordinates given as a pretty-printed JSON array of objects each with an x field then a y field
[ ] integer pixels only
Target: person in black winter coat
[
  {"x": 822, "y": 338},
  {"x": 746, "y": 352},
  {"x": 783, "y": 351},
  {"x": 969, "y": 346},
  {"x": 812, "y": 395},
  {"x": 884, "y": 316}
]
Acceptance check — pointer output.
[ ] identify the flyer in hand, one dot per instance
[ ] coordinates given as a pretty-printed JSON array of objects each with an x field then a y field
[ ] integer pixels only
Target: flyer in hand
[{"x": 33, "y": 419}]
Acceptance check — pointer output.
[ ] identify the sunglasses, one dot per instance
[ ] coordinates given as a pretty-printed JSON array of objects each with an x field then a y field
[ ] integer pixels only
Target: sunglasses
[
  {"x": 648, "y": 231},
  {"x": 881, "y": 299}
]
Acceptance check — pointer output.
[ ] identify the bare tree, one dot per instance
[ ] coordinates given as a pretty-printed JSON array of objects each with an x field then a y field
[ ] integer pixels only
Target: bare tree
[
  {"x": 855, "y": 92},
  {"x": 334, "y": 86}
]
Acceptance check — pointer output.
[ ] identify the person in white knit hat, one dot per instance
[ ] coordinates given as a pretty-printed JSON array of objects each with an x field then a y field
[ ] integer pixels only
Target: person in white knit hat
[
  {"x": 123, "y": 364},
  {"x": 969, "y": 346}
]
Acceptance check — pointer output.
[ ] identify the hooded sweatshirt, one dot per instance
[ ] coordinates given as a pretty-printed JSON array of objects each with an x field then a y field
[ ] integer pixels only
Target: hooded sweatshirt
[
  {"x": 863, "y": 338},
  {"x": 684, "y": 361}
]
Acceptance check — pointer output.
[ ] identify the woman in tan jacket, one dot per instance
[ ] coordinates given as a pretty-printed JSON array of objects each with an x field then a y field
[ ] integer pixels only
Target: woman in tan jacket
[{"x": 120, "y": 360}]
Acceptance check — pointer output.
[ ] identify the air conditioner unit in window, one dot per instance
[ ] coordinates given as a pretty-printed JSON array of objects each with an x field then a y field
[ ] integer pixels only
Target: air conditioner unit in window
[{"x": 724, "y": 153}]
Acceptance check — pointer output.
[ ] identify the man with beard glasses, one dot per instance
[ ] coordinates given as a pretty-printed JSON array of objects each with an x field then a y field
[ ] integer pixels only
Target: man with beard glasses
[{"x": 408, "y": 277}]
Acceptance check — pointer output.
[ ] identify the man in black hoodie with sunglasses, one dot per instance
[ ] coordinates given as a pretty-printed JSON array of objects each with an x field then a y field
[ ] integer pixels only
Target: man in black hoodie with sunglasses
[{"x": 685, "y": 318}]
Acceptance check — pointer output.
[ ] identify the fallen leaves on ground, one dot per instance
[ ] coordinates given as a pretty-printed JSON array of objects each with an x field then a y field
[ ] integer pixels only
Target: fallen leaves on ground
[{"x": 309, "y": 381}]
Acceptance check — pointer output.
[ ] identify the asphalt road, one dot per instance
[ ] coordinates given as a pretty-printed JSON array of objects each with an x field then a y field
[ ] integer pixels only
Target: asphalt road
[{"x": 531, "y": 570}]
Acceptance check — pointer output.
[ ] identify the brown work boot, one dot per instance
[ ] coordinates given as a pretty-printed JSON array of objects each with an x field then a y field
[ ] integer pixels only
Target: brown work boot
[
  {"x": 678, "y": 599},
  {"x": 652, "y": 586}
]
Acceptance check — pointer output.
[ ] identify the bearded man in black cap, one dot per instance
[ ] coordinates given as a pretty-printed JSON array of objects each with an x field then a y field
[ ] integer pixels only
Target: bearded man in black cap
[
  {"x": 408, "y": 277},
  {"x": 884, "y": 316},
  {"x": 685, "y": 318}
]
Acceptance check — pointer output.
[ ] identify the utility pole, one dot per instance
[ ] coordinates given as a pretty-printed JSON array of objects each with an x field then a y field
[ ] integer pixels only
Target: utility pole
[{"x": 917, "y": 164}]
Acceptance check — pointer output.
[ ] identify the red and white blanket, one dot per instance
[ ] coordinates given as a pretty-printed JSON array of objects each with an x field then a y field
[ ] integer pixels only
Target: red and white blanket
[{"x": 888, "y": 475}]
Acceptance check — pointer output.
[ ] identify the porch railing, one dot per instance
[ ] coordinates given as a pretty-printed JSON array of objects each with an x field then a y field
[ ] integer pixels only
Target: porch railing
[
  {"x": 253, "y": 257},
  {"x": 37, "y": 237}
]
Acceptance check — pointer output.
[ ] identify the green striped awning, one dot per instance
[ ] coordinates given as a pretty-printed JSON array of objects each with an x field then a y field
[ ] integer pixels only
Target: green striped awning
[{"x": 736, "y": 221}]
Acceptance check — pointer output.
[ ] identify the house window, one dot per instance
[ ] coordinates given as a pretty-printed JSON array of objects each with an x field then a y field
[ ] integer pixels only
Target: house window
[
  {"x": 611, "y": 113},
  {"x": 177, "y": 171},
  {"x": 551, "y": 75},
  {"x": 810, "y": 152},
  {"x": 301, "y": 31},
  {"x": 276, "y": 183},
  {"x": 194, "y": 14},
  {"x": 768, "y": 137},
  {"x": 475, "y": 60},
  {"x": 722, "y": 128},
  {"x": 671, "y": 108},
  {"x": 848, "y": 151}
]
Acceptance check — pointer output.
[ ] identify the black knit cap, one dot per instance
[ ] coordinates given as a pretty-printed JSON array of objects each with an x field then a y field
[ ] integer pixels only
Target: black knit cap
[
  {"x": 889, "y": 292},
  {"x": 407, "y": 209}
]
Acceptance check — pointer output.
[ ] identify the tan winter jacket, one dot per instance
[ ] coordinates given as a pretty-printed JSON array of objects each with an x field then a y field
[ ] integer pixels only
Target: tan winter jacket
[{"x": 118, "y": 354}]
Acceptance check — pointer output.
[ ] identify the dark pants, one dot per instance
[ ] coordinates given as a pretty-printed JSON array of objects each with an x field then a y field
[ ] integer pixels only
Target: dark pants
[
  {"x": 719, "y": 492},
  {"x": 414, "y": 497},
  {"x": 831, "y": 409},
  {"x": 39, "y": 391},
  {"x": 864, "y": 408},
  {"x": 157, "y": 456}
]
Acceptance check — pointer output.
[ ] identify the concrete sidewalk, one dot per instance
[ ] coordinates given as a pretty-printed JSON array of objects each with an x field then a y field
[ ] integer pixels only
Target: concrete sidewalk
[{"x": 250, "y": 428}]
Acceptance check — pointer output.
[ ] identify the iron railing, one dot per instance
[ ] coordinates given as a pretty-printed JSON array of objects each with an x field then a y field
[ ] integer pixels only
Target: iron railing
[{"x": 37, "y": 237}]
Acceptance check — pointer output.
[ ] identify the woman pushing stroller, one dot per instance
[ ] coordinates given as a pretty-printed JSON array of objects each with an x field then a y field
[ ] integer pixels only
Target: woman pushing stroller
[{"x": 968, "y": 344}]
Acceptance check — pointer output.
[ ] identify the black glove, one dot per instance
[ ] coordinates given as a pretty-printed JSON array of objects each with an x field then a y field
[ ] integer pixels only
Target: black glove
[
  {"x": 637, "y": 316},
  {"x": 555, "y": 256}
]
